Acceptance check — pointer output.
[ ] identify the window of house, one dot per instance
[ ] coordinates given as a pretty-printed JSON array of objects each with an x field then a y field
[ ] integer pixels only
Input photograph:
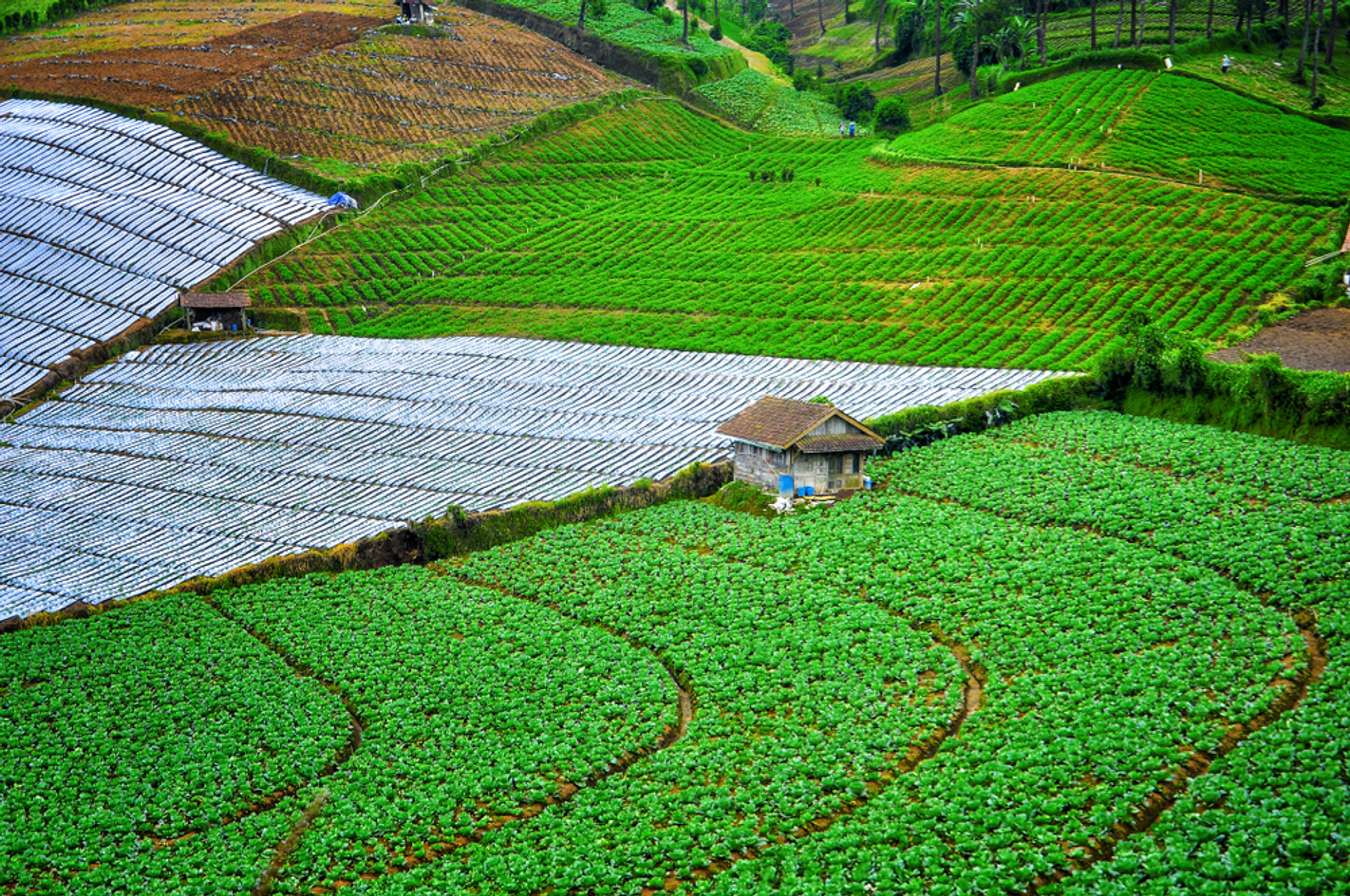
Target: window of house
[
  {"x": 857, "y": 463},
  {"x": 836, "y": 464}
]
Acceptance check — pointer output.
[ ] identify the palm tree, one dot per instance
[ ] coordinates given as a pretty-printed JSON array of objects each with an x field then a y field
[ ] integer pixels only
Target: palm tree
[
  {"x": 968, "y": 16},
  {"x": 1120, "y": 24},
  {"x": 1092, "y": 27},
  {"x": 581, "y": 17},
  {"x": 1303, "y": 50},
  {"x": 684, "y": 35},
  {"x": 1040, "y": 30},
  {"x": 1013, "y": 39},
  {"x": 937, "y": 48}
]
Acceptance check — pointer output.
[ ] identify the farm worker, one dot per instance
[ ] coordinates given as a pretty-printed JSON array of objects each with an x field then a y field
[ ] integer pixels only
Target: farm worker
[
  {"x": 853, "y": 129},
  {"x": 843, "y": 127},
  {"x": 1226, "y": 64}
]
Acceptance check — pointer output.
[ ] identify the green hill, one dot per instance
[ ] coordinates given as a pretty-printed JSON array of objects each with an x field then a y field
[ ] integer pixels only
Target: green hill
[
  {"x": 652, "y": 225},
  {"x": 1167, "y": 125}
]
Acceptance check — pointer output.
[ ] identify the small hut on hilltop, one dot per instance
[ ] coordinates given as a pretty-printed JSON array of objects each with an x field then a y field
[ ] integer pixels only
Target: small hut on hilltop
[{"x": 799, "y": 447}]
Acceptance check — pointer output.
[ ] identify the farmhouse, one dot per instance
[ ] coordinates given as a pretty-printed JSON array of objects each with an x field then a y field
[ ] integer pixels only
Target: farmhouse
[
  {"x": 225, "y": 307},
  {"x": 799, "y": 447}
]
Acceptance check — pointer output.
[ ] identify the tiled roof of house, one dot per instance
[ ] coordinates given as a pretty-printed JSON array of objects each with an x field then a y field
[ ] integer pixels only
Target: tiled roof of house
[{"x": 783, "y": 422}]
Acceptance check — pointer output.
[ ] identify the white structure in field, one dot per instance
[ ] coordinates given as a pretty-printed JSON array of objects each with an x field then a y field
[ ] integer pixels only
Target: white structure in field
[
  {"x": 185, "y": 460},
  {"x": 103, "y": 219}
]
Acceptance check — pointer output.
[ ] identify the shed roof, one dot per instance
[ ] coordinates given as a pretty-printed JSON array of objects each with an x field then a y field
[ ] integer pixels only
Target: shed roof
[
  {"x": 783, "y": 422},
  {"x": 849, "y": 441},
  {"x": 215, "y": 301}
]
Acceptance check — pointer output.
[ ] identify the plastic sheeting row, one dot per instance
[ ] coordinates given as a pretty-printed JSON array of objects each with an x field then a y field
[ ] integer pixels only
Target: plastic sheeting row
[
  {"x": 103, "y": 219},
  {"x": 186, "y": 460}
]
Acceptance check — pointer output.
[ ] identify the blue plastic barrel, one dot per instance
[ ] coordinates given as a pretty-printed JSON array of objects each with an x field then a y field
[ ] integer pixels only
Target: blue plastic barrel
[
  {"x": 867, "y": 482},
  {"x": 785, "y": 484},
  {"x": 810, "y": 490}
]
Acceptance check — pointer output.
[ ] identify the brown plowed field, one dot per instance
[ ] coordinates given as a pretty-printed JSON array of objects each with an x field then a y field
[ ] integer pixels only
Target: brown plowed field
[
  {"x": 392, "y": 98},
  {"x": 155, "y": 77},
  {"x": 139, "y": 24},
  {"x": 317, "y": 85},
  {"x": 1314, "y": 340}
]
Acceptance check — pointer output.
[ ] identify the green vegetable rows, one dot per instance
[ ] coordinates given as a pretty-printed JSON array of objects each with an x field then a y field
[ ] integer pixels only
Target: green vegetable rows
[
  {"x": 1166, "y": 125},
  {"x": 651, "y": 225},
  {"x": 961, "y": 682}
]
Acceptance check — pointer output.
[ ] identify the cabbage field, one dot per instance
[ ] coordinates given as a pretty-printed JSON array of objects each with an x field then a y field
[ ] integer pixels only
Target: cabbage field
[
  {"x": 1084, "y": 653},
  {"x": 652, "y": 225}
]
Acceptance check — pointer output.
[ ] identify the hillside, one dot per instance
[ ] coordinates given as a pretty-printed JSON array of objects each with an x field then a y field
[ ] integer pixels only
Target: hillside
[
  {"x": 651, "y": 225},
  {"x": 977, "y": 678},
  {"x": 1179, "y": 128},
  {"x": 324, "y": 90}
]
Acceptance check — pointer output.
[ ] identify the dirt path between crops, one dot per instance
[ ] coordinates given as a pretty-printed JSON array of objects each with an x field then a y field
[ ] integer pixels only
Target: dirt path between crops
[
  {"x": 1313, "y": 340},
  {"x": 756, "y": 60},
  {"x": 302, "y": 670},
  {"x": 972, "y": 698},
  {"x": 427, "y": 852},
  {"x": 1292, "y": 692}
]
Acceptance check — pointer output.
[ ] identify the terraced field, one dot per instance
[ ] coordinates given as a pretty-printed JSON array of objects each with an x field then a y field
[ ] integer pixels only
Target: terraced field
[
  {"x": 650, "y": 225},
  {"x": 1171, "y": 126},
  {"x": 194, "y": 460},
  {"x": 1084, "y": 654},
  {"x": 104, "y": 219},
  {"x": 328, "y": 92},
  {"x": 138, "y": 24}
]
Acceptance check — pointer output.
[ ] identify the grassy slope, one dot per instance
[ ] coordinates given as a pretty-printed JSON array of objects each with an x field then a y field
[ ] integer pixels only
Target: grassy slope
[
  {"x": 1138, "y": 121},
  {"x": 1266, "y": 73},
  {"x": 760, "y": 103},
  {"x": 651, "y": 226}
]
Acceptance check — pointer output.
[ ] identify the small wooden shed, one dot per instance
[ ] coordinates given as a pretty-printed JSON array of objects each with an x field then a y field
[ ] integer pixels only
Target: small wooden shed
[
  {"x": 417, "y": 11},
  {"x": 799, "y": 447},
  {"x": 226, "y": 307}
]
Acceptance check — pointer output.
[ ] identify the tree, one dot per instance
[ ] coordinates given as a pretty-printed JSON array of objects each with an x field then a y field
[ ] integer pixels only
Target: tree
[
  {"x": 1209, "y": 21},
  {"x": 976, "y": 19},
  {"x": 820, "y": 13},
  {"x": 892, "y": 115},
  {"x": 1120, "y": 25},
  {"x": 1092, "y": 24},
  {"x": 1134, "y": 23},
  {"x": 581, "y": 16},
  {"x": 684, "y": 34},
  {"x": 1040, "y": 29},
  {"x": 937, "y": 49},
  {"x": 1331, "y": 32},
  {"x": 877, "y": 11},
  {"x": 1303, "y": 49},
  {"x": 1013, "y": 40},
  {"x": 1317, "y": 55},
  {"x": 1172, "y": 25}
]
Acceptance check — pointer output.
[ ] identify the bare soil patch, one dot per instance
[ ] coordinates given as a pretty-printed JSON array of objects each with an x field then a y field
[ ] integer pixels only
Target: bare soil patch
[
  {"x": 1314, "y": 340},
  {"x": 155, "y": 77}
]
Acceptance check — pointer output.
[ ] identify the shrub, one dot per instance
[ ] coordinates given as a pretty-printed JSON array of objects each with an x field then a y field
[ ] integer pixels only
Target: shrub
[
  {"x": 854, "y": 100},
  {"x": 892, "y": 115},
  {"x": 716, "y": 32}
]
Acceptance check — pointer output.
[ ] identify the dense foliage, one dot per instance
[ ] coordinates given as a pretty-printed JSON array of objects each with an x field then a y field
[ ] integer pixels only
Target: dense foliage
[
  {"x": 959, "y": 682},
  {"x": 761, "y": 103},
  {"x": 1167, "y": 125},
  {"x": 651, "y": 225}
]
